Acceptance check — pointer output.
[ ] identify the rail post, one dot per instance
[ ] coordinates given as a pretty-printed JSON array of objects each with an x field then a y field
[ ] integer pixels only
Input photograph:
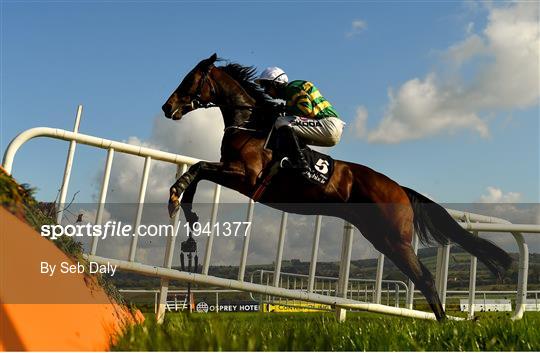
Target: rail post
[
  {"x": 314, "y": 252},
  {"x": 140, "y": 206},
  {"x": 67, "y": 169},
  {"x": 279, "y": 253},
  {"x": 344, "y": 267},
  {"x": 410, "y": 291},
  {"x": 210, "y": 241},
  {"x": 169, "y": 256},
  {"x": 245, "y": 245},
  {"x": 521, "y": 298},
  {"x": 472, "y": 283},
  {"x": 103, "y": 196}
]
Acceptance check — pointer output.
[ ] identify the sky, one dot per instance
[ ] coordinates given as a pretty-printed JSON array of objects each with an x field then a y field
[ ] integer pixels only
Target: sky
[{"x": 442, "y": 97}]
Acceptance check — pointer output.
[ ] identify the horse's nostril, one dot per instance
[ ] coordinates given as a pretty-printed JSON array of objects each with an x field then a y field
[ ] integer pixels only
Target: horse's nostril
[{"x": 167, "y": 108}]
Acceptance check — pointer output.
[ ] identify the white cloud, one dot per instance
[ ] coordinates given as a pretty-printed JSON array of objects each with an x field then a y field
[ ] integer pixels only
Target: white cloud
[
  {"x": 496, "y": 195},
  {"x": 357, "y": 26},
  {"x": 505, "y": 59},
  {"x": 468, "y": 48},
  {"x": 421, "y": 109},
  {"x": 513, "y": 39},
  {"x": 470, "y": 27},
  {"x": 197, "y": 135},
  {"x": 360, "y": 120}
]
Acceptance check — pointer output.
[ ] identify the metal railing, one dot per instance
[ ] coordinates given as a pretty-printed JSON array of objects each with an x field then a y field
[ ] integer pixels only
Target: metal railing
[
  {"x": 469, "y": 221},
  {"x": 359, "y": 289}
]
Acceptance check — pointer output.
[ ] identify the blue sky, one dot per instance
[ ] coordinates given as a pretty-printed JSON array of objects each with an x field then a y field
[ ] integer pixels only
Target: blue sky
[{"x": 434, "y": 94}]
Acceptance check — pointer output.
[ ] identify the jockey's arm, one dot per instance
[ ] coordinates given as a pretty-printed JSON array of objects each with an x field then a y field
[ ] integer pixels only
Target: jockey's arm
[
  {"x": 274, "y": 107},
  {"x": 300, "y": 105}
]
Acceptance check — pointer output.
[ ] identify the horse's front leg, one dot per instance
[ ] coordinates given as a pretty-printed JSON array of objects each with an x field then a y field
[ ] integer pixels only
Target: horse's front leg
[
  {"x": 187, "y": 203},
  {"x": 231, "y": 175},
  {"x": 181, "y": 185}
]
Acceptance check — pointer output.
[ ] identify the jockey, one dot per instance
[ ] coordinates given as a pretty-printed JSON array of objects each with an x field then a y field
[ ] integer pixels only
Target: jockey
[{"x": 309, "y": 116}]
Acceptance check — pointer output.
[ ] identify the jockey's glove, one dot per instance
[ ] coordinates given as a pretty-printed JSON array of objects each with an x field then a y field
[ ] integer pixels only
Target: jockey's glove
[
  {"x": 280, "y": 108},
  {"x": 274, "y": 107}
]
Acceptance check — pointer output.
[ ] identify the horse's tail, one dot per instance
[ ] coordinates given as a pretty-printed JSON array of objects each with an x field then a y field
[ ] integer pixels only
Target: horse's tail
[{"x": 432, "y": 219}]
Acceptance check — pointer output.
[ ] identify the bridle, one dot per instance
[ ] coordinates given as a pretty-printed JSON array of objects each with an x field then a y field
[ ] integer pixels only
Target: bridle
[{"x": 196, "y": 99}]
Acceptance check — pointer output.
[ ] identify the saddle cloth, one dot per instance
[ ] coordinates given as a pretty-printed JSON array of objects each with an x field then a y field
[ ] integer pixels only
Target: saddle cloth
[{"x": 321, "y": 166}]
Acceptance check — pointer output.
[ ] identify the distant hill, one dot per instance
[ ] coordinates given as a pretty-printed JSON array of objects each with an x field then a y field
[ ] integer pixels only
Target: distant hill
[{"x": 458, "y": 276}]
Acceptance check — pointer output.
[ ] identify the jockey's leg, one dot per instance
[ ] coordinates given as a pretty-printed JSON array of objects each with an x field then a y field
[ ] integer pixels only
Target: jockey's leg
[
  {"x": 318, "y": 132},
  {"x": 289, "y": 144},
  {"x": 325, "y": 132}
]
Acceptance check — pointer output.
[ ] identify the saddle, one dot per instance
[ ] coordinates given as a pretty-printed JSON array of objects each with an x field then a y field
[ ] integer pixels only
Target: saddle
[{"x": 321, "y": 167}]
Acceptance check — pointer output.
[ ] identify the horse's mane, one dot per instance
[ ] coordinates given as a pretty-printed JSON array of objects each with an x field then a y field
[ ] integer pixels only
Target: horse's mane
[{"x": 245, "y": 75}]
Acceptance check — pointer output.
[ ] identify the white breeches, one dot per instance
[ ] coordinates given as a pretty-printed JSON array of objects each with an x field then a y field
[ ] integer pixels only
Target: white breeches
[{"x": 324, "y": 132}]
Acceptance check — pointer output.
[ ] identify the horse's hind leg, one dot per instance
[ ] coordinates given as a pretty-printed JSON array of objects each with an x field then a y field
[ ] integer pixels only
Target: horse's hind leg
[
  {"x": 403, "y": 256},
  {"x": 392, "y": 236}
]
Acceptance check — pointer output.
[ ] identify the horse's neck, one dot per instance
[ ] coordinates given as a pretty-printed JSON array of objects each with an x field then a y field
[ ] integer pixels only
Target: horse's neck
[
  {"x": 234, "y": 117},
  {"x": 237, "y": 144},
  {"x": 232, "y": 96}
]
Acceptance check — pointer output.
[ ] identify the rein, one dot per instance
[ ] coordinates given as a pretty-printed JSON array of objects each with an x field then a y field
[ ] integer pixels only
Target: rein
[
  {"x": 197, "y": 104},
  {"x": 240, "y": 127}
]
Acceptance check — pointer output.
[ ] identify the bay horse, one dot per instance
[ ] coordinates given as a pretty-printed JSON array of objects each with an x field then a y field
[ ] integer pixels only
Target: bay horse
[{"x": 386, "y": 213}]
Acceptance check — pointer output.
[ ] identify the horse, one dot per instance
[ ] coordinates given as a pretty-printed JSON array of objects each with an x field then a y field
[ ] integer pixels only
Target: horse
[{"x": 386, "y": 213}]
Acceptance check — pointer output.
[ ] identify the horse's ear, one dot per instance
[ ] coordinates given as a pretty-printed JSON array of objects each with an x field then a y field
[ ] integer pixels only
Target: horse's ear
[{"x": 206, "y": 63}]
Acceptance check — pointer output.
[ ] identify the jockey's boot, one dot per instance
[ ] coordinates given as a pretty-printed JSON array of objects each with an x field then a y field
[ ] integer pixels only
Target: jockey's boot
[{"x": 289, "y": 144}]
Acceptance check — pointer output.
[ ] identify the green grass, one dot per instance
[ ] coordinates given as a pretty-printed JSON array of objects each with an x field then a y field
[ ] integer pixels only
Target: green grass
[{"x": 321, "y": 332}]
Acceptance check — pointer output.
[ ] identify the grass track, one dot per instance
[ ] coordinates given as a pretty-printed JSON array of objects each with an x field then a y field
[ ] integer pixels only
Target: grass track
[{"x": 321, "y": 332}]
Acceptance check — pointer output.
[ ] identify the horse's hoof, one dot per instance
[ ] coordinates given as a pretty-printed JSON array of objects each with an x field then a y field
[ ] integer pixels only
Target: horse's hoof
[{"x": 173, "y": 208}]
